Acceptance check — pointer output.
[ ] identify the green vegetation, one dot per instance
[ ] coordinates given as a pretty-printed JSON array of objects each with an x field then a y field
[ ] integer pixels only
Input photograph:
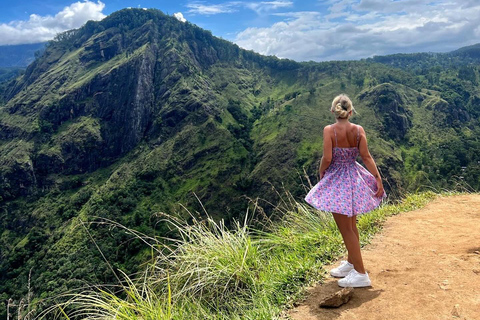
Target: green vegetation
[
  {"x": 9, "y": 73},
  {"x": 212, "y": 272},
  {"x": 140, "y": 113}
]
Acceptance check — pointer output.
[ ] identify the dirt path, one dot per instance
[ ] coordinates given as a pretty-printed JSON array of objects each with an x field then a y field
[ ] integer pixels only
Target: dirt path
[{"x": 425, "y": 264}]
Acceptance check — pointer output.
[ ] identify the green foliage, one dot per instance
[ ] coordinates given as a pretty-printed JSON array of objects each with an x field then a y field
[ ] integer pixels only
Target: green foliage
[
  {"x": 211, "y": 272},
  {"x": 9, "y": 73}
]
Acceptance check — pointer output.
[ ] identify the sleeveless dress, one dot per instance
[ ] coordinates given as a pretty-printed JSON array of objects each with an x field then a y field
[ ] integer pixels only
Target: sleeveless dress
[{"x": 346, "y": 187}]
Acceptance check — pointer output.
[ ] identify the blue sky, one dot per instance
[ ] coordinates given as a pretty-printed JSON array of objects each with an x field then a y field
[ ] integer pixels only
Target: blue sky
[{"x": 302, "y": 30}]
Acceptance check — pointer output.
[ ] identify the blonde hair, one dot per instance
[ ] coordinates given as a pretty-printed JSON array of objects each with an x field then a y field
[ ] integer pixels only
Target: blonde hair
[{"x": 342, "y": 106}]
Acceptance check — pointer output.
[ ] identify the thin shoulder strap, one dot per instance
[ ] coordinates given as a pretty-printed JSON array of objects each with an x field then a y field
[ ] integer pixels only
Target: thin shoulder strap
[
  {"x": 335, "y": 133},
  {"x": 358, "y": 136}
]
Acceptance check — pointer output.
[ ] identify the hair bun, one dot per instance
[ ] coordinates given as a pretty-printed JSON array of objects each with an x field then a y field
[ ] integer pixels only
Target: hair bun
[{"x": 342, "y": 106}]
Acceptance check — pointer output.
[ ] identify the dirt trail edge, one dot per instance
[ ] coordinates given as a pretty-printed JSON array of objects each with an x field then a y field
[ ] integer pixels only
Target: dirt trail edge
[{"x": 424, "y": 264}]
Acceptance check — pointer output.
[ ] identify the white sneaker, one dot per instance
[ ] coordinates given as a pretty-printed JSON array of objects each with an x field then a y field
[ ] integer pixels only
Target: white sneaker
[
  {"x": 341, "y": 271},
  {"x": 355, "y": 280}
]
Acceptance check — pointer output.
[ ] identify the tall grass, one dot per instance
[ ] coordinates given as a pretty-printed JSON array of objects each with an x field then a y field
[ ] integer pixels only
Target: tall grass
[{"x": 211, "y": 272}]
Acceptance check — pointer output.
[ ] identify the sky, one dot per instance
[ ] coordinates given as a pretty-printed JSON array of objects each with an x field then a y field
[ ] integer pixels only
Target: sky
[{"x": 302, "y": 30}]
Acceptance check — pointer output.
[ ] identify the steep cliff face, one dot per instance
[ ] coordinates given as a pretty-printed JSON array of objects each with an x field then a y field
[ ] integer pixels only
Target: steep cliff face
[
  {"x": 128, "y": 81},
  {"x": 391, "y": 107},
  {"x": 17, "y": 175}
]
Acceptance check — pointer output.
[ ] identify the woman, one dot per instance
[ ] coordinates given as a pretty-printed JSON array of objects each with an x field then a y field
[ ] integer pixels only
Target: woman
[{"x": 345, "y": 188}]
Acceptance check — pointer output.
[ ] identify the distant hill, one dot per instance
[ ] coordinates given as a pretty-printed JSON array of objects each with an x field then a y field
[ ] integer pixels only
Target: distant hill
[
  {"x": 15, "y": 58},
  {"x": 10, "y": 73},
  {"x": 418, "y": 62},
  {"x": 472, "y": 52},
  {"x": 140, "y": 113},
  {"x": 19, "y": 55}
]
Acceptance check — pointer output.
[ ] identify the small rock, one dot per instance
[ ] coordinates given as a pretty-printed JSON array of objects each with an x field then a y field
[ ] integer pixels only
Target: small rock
[
  {"x": 336, "y": 299},
  {"x": 444, "y": 285},
  {"x": 456, "y": 311}
]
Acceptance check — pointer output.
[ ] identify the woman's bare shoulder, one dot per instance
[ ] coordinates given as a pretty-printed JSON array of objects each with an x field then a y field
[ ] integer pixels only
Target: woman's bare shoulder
[{"x": 358, "y": 127}]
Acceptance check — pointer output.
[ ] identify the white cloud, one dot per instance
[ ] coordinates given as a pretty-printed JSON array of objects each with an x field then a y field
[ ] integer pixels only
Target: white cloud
[
  {"x": 338, "y": 8},
  {"x": 389, "y": 6},
  {"x": 233, "y": 6},
  {"x": 265, "y": 6},
  {"x": 200, "y": 8},
  {"x": 42, "y": 28},
  {"x": 293, "y": 38},
  {"x": 179, "y": 16},
  {"x": 367, "y": 28}
]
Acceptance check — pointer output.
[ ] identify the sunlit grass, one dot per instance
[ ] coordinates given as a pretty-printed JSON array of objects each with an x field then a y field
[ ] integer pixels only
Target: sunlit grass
[{"x": 213, "y": 272}]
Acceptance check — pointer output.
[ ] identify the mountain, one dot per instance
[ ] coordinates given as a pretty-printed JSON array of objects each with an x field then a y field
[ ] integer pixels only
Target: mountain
[
  {"x": 15, "y": 58},
  {"x": 420, "y": 63},
  {"x": 140, "y": 114},
  {"x": 472, "y": 52},
  {"x": 19, "y": 56}
]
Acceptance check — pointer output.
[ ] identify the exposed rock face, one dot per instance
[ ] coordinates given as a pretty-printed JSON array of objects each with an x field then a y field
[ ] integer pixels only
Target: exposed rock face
[
  {"x": 109, "y": 114},
  {"x": 17, "y": 175},
  {"x": 390, "y": 105},
  {"x": 107, "y": 89},
  {"x": 123, "y": 100},
  {"x": 9, "y": 132},
  {"x": 102, "y": 48},
  {"x": 450, "y": 114}
]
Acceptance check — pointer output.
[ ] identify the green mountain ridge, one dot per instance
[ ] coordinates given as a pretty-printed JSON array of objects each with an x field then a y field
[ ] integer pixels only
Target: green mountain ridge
[{"x": 140, "y": 113}]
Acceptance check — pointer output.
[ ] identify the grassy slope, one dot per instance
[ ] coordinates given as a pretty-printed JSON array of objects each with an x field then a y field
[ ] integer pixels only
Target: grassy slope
[{"x": 238, "y": 273}]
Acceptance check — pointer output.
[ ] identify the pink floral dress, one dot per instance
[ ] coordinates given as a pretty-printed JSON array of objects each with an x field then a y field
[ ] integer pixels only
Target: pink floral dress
[{"x": 347, "y": 187}]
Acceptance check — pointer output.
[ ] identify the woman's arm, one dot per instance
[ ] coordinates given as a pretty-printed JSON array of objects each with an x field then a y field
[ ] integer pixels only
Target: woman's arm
[
  {"x": 369, "y": 162},
  {"x": 327, "y": 151}
]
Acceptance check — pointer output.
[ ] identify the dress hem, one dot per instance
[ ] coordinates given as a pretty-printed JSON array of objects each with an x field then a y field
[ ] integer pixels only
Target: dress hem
[{"x": 343, "y": 213}]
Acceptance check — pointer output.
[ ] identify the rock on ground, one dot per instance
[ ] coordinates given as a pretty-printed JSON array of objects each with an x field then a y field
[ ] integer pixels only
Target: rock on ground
[{"x": 337, "y": 299}]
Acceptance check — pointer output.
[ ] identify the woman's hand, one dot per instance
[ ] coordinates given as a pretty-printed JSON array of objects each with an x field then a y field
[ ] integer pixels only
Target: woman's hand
[{"x": 380, "y": 190}]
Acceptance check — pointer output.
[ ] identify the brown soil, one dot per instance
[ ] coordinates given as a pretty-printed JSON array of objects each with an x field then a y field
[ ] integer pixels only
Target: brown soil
[{"x": 425, "y": 264}]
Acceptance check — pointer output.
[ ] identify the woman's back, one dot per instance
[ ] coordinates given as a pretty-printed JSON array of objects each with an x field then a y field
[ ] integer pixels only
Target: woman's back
[
  {"x": 346, "y": 187},
  {"x": 345, "y": 135}
]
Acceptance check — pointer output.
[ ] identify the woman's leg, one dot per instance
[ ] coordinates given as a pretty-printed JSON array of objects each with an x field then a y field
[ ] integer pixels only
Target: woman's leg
[
  {"x": 349, "y": 232},
  {"x": 355, "y": 230}
]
